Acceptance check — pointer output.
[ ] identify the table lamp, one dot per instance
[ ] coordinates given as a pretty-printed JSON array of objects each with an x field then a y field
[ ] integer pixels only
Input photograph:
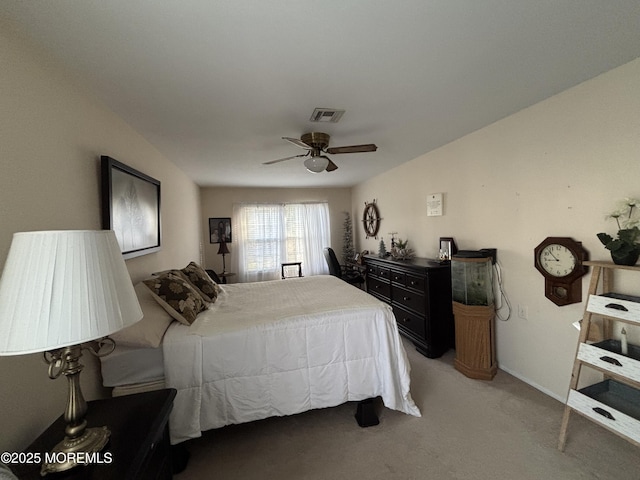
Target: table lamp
[
  {"x": 223, "y": 250},
  {"x": 58, "y": 291}
]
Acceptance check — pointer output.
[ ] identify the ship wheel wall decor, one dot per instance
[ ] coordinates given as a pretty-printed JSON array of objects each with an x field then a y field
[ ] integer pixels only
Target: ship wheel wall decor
[{"x": 371, "y": 219}]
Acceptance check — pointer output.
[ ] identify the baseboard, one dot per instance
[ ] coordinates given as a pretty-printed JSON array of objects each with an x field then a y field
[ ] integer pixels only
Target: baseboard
[{"x": 534, "y": 385}]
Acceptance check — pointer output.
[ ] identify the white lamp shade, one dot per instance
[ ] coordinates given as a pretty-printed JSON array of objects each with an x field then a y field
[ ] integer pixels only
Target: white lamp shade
[
  {"x": 317, "y": 164},
  {"x": 62, "y": 288}
]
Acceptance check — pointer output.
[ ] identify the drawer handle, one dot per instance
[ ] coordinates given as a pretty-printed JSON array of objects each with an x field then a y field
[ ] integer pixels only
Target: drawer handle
[
  {"x": 406, "y": 299},
  {"x": 413, "y": 283},
  {"x": 406, "y": 320},
  {"x": 617, "y": 306},
  {"x": 611, "y": 360},
  {"x": 603, "y": 412}
]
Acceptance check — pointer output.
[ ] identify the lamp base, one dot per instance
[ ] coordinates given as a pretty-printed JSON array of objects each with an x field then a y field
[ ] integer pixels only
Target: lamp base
[{"x": 72, "y": 452}]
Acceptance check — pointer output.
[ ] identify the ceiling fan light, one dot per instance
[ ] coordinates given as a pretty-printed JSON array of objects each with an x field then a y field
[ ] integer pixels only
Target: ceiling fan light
[{"x": 317, "y": 164}]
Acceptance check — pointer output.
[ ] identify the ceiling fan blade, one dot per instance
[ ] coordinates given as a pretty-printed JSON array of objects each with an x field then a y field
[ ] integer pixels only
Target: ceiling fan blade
[
  {"x": 297, "y": 142},
  {"x": 284, "y": 159},
  {"x": 369, "y": 147},
  {"x": 331, "y": 167}
]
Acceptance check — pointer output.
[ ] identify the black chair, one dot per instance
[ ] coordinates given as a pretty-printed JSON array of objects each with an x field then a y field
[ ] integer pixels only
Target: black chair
[
  {"x": 342, "y": 271},
  {"x": 214, "y": 276},
  {"x": 284, "y": 267}
]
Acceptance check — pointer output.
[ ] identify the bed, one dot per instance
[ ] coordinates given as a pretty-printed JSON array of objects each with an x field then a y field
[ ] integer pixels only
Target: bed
[{"x": 269, "y": 349}]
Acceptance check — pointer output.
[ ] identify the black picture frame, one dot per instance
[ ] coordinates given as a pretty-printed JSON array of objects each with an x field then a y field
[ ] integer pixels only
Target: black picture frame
[
  {"x": 131, "y": 208},
  {"x": 220, "y": 229},
  {"x": 447, "y": 248}
]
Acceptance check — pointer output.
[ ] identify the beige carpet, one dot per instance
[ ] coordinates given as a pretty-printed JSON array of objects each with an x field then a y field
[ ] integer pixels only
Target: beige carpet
[{"x": 470, "y": 429}]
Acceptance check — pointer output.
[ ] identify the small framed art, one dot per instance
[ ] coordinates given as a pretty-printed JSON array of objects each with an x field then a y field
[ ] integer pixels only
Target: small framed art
[
  {"x": 448, "y": 248},
  {"x": 434, "y": 205},
  {"x": 220, "y": 230}
]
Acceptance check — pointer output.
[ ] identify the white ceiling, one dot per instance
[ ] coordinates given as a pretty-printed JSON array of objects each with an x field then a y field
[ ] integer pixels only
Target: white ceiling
[{"x": 215, "y": 84}]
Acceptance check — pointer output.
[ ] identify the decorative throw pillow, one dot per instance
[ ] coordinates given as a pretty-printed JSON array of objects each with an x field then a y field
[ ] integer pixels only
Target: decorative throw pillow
[
  {"x": 202, "y": 281},
  {"x": 177, "y": 296},
  {"x": 149, "y": 331}
]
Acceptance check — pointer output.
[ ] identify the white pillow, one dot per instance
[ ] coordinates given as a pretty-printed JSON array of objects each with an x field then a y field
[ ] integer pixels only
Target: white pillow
[{"x": 149, "y": 331}]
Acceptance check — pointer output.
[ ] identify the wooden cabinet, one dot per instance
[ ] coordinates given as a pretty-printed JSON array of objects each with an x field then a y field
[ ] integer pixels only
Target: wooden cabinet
[
  {"x": 419, "y": 291},
  {"x": 615, "y": 402},
  {"x": 139, "y": 445}
]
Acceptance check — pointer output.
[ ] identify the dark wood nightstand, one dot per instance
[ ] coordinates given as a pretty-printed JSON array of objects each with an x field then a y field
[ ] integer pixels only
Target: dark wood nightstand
[{"x": 139, "y": 443}]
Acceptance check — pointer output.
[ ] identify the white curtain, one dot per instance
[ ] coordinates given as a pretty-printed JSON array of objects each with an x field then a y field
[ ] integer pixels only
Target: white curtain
[
  {"x": 315, "y": 220},
  {"x": 260, "y": 245},
  {"x": 267, "y": 235}
]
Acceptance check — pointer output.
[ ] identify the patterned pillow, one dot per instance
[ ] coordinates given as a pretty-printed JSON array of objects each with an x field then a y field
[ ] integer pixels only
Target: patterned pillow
[
  {"x": 202, "y": 281},
  {"x": 177, "y": 296}
]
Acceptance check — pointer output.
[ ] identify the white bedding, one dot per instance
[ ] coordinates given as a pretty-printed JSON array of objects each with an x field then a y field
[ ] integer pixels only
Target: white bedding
[{"x": 283, "y": 347}]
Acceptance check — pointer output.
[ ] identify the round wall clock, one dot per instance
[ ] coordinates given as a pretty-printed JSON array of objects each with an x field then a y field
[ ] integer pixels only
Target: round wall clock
[
  {"x": 559, "y": 260},
  {"x": 371, "y": 219}
]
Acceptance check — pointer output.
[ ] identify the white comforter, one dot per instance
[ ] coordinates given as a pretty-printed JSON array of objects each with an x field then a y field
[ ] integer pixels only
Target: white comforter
[{"x": 283, "y": 347}]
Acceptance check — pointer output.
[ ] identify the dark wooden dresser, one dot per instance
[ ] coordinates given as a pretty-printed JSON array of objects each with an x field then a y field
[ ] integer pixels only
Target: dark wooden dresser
[
  {"x": 138, "y": 446},
  {"x": 419, "y": 291}
]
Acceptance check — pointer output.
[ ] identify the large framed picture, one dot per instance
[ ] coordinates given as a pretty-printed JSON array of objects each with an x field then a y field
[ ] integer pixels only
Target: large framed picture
[
  {"x": 131, "y": 208},
  {"x": 220, "y": 230}
]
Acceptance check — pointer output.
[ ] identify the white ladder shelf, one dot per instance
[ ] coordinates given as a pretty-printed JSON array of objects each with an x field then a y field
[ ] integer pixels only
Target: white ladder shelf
[{"x": 614, "y": 403}]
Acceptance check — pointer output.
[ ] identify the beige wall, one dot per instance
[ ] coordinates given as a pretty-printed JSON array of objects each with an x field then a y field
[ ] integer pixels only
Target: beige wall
[
  {"x": 554, "y": 169},
  {"x": 218, "y": 202},
  {"x": 51, "y": 138}
]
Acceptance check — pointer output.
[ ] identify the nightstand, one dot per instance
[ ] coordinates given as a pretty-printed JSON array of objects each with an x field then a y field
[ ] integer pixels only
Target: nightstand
[
  {"x": 224, "y": 276},
  {"x": 139, "y": 442}
]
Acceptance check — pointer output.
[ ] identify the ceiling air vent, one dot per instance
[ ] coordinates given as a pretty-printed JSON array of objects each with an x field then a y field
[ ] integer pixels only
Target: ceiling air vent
[{"x": 326, "y": 115}]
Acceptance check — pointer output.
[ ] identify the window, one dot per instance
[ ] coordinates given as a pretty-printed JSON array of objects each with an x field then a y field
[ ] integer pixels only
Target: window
[{"x": 271, "y": 234}]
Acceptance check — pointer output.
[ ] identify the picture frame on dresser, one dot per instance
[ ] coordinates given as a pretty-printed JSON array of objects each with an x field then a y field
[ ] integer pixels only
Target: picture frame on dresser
[
  {"x": 131, "y": 207},
  {"x": 447, "y": 248}
]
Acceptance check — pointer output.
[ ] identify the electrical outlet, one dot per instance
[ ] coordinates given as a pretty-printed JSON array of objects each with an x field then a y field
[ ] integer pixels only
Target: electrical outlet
[{"x": 523, "y": 312}]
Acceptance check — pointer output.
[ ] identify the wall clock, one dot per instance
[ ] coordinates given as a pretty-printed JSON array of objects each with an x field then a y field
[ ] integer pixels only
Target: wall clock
[
  {"x": 559, "y": 260},
  {"x": 371, "y": 219}
]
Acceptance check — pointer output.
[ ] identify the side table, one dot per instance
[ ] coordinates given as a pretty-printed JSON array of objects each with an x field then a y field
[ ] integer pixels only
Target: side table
[
  {"x": 139, "y": 443},
  {"x": 224, "y": 276}
]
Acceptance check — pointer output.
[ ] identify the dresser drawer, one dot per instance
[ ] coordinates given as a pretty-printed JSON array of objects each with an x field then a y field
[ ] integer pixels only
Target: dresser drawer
[
  {"x": 410, "y": 321},
  {"x": 398, "y": 277},
  {"x": 382, "y": 272},
  {"x": 415, "y": 282},
  {"x": 613, "y": 305},
  {"x": 611, "y": 404},
  {"x": 372, "y": 269},
  {"x": 605, "y": 356},
  {"x": 378, "y": 271},
  {"x": 408, "y": 299},
  {"x": 379, "y": 287}
]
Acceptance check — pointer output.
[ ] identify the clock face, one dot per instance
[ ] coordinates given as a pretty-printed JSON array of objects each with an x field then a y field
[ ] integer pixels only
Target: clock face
[
  {"x": 557, "y": 260},
  {"x": 561, "y": 261}
]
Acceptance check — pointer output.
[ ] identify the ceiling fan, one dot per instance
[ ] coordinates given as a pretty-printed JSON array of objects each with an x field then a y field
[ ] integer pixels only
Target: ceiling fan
[{"x": 316, "y": 144}]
